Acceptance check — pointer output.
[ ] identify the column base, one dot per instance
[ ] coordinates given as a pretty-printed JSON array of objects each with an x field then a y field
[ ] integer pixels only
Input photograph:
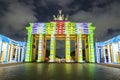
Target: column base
[
  {"x": 39, "y": 61},
  {"x": 68, "y": 60},
  {"x": 51, "y": 60},
  {"x": 26, "y": 61}
]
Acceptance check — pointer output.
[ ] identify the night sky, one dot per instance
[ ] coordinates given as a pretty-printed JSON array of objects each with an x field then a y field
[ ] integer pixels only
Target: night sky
[{"x": 15, "y": 15}]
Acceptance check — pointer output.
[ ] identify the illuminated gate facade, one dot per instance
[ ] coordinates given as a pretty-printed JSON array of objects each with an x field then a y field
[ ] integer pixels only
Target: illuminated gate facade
[{"x": 60, "y": 29}]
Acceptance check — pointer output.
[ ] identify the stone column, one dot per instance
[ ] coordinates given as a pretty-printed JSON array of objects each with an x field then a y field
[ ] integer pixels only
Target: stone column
[
  {"x": 101, "y": 53},
  {"x": 44, "y": 46},
  {"x": 53, "y": 42},
  {"x": 91, "y": 47},
  {"x": 97, "y": 52},
  {"x": 79, "y": 45},
  {"x": 104, "y": 54},
  {"x": 6, "y": 52},
  {"x": 67, "y": 48},
  {"x": 76, "y": 50},
  {"x": 52, "y": 48},
  {"x": 40, "y": 48},
  {"x": 114, "y": 53},
  {"x": 19, "y": 54},
  {"x": 16, "y": 53},
  {"x": 11, "y": 52},
  {"x": 109, "y": 57},
  {"x": 28, "y": 56},
  {"x": 86, "y": 49},
  {"x": 23, "y": 52}
]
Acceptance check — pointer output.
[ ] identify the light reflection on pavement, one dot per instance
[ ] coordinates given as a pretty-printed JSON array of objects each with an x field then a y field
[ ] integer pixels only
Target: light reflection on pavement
[{"x": 59, "y": 71}]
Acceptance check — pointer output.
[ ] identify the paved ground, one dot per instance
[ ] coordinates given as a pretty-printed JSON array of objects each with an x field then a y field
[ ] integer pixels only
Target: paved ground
[
  {"x": 59, "y": 71},
  {"x": 9, "y": 64},
  {"x": 111, "y": 65}
]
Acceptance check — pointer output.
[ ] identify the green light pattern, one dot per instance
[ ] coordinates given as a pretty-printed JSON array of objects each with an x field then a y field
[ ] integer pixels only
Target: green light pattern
[
  {"x": 28, "y": 57},
  {"x": 80, "y": 57},
  {"x": 40, "y": 48},
  {"x": 67, "y": 41},
  {"x": 70, "y": 28},
  {"x": 91, "y": 43}
]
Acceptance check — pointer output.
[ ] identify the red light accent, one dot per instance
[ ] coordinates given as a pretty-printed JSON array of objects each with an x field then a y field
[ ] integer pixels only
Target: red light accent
[{"x": 60, "y": 28}]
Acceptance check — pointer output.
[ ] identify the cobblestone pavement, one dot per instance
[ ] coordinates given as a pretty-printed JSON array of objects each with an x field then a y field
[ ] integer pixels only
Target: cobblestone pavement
[
  {"x": 9, "y": 64},
  {"x": 111, "y": 65},
  {"x": 58, "y": 71}
]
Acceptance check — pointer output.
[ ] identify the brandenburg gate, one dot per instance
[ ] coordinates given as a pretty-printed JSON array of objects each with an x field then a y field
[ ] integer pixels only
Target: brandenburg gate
[{"x": 60, "y": 28}]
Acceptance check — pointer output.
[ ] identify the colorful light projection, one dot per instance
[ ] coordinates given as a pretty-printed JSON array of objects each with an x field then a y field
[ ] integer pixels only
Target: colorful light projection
[
  {"x": 109, "y": 51},
  {"x": 11, "y": 51},
  {"x": 29, "y": 43},
  {"x": 97, "y": 50},
  {"x": 60, "y": 26}
]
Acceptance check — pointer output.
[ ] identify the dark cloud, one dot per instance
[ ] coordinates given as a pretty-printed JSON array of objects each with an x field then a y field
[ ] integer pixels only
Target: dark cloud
[
  {"x": 102, "y": 18},
  {"x": 46, "y": 8},
  {"x": 62, "y": 3},
  {"x": 3, "y": 9},
  {"x": 27, "y": 2},
  {"x": 111, "y": 32},
  {"x": 15, "y": 18},
  {"x": 16, "y": 14}
]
